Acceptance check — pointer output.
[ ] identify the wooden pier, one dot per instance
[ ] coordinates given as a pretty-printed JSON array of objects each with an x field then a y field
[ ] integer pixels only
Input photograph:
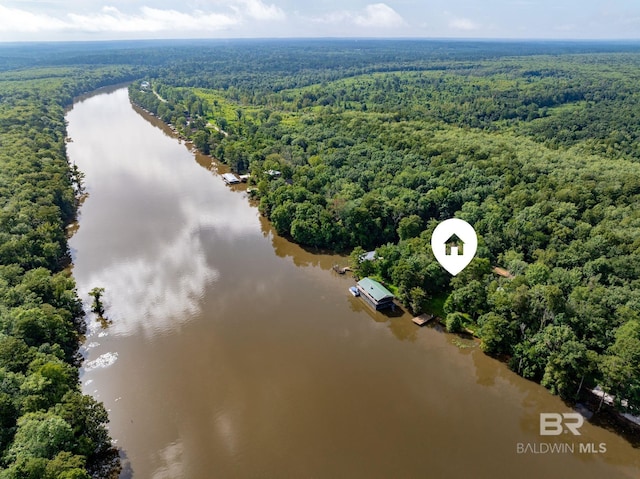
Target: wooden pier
[
  {"x": 422, "y": 319},
  {"x": 341, "y": 270}
]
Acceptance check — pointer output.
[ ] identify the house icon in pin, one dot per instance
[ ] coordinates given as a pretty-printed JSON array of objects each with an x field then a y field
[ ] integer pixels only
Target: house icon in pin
[
  {"x": 454, "y": 246},
  {"x": 449, "y": 249}
]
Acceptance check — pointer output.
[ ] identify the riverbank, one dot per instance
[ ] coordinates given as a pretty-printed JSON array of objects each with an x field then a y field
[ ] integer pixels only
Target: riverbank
[{"x": 43, "y": 320}]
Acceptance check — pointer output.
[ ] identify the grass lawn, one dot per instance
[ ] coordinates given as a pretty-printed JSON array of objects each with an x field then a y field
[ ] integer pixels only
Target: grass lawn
[{"x": 435, "y": 305}]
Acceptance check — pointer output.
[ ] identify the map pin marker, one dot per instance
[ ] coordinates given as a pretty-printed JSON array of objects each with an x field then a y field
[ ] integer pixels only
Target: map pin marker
[{"x": 454, "y": 243}]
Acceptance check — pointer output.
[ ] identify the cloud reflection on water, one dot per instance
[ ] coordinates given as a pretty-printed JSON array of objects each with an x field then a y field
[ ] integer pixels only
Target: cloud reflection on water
[
  {"x": 156, "y": 294},
  {"x": 145, "y": 230},
  {"x": 171, "y": 460}
]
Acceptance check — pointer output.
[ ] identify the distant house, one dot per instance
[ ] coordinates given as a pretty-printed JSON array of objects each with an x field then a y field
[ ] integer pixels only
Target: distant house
[
  {"x": 368, "y": 256},
  {"x": 274, "y": 173},
  {"x": 454, "y": 246},
  {"x": 375, "y": 294},
  {"x": 145, "y": 85}
]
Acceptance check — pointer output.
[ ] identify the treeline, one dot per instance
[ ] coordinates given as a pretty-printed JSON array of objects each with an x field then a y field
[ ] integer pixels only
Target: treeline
[
  {"x": 539, "y": 153},
  {"x": 48, "y": 428}
]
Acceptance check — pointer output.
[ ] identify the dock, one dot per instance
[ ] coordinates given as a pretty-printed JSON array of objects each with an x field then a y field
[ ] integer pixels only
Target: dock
[
  {"x": 422, "y": 319},
  {"x": 502, "y": 272},
  {"x": 341, "y": 270}
]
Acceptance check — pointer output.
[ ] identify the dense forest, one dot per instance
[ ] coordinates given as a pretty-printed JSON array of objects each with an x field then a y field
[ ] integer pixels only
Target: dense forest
[
  {"x": 48, "y": 428},
  {"x": 535, "y": 145}
]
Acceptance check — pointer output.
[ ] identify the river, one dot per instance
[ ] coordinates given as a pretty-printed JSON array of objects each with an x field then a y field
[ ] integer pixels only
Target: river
[{"x": 233, "y": 353}]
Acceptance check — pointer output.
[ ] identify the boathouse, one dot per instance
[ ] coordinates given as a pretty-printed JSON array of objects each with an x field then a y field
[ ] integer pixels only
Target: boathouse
[
  {"x": 375, "y": 294},
  {"x": 230, "y": 178}
]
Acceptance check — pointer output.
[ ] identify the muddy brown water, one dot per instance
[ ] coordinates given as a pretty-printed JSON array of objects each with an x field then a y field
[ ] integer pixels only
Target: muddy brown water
[{"x": 233, "y": 353}]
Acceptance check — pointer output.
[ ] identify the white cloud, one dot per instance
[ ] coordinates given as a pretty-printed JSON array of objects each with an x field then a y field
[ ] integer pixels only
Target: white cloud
[
  {"x": 377, "y": 15},
  {"x": 258, "y": 10},
  {"x": 146, "y": 19},
  {"x": 171, "y": 19},
  {"x": 333, "y": 18},
  {"x": 120, "y": 19},
  {"x": 110, "y": 19},
  {"x": 463, "y": 24},
  {"x": 16, "y": 20}
]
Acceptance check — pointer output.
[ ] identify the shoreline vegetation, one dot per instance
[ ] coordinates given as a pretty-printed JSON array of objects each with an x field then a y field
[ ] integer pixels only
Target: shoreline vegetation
[{"x": 539, "y": 152}]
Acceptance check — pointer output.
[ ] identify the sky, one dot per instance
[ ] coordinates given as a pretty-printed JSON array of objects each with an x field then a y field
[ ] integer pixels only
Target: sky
[{"x": 61, "y": 20}]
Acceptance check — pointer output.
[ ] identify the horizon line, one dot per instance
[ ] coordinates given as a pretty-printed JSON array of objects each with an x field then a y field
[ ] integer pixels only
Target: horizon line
[{"x": 325, "y": 38}]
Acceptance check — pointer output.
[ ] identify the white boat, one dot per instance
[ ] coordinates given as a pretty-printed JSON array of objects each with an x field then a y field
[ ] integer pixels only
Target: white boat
[{"x": 354, "y": 291}]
